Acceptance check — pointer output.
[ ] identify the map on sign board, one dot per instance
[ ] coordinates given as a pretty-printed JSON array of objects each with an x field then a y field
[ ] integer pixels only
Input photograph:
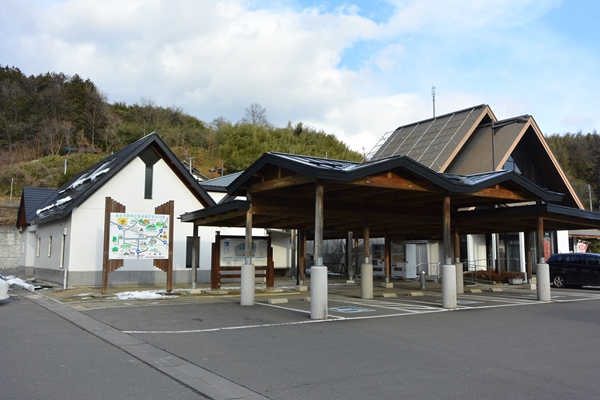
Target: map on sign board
[
  {"x": 138, "y": 236},
  {"x": 233, "y": 251}
]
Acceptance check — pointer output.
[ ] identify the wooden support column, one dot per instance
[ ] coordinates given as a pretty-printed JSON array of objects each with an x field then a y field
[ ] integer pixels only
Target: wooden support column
[
  {"x": 542, "y": 269},
  {"x": 349, "y": 258},
  {"x": 528, "y": 259},
  {"x": 388, "y": 257},
  {"x": 318, "y": 273},
  {"x": 301, "y": 255},
  {"x": 366, "y": 268},
  {"x": 319, "y": 225},
  {"x": 540, "y": 240},
  {"x": 456, "y": 246},
  {"x": 460, "y": 285},
  {"x": 448, "y": 269},
  {"x": 195, "y": 252},
  {"x": 247, "y": 291},
  {"x": 447, "y": 232}
]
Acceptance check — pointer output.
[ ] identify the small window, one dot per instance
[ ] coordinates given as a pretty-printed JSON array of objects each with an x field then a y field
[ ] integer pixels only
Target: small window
[
  {"x": 39, "y": 246},
  {"x": 50, "y": 246}
]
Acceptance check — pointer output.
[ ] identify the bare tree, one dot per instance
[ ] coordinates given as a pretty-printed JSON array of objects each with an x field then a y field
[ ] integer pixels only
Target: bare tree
[{"x": 256, "y": 115}]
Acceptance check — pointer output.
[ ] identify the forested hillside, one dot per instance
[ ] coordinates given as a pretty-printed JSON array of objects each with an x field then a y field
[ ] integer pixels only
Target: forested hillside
[
  {"x": 49, "y": 118},
  {"x": 579, "y": 156}
]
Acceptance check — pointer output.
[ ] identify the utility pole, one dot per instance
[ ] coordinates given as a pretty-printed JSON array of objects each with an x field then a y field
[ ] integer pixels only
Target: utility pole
[
  {"x": 433, "y": 98},
  {"x": 589, "y": 189}
]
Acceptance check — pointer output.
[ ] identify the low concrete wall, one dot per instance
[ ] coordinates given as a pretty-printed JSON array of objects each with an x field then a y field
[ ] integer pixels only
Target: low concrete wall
[
  {"x": 10, "y": 246},
  {"x": 116, "y": 278}
]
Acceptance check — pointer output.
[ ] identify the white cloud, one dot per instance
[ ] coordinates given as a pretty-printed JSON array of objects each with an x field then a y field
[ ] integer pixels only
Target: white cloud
[{"x": 330, "y": 67}]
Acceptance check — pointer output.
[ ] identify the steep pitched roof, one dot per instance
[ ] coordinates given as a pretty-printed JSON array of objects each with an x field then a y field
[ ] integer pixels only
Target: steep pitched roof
[
  {"x": 434, "y": 142},
  {"x": 462, "y": 143},
  {"x": 63, "y": 200}
]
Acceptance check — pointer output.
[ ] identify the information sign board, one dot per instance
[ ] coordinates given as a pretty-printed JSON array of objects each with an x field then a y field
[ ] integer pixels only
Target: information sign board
[{"x": 139, "y": 236}]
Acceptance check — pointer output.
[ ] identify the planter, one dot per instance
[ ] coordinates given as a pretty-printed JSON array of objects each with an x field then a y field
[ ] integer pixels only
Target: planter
[{"x": 515, "y": 281}]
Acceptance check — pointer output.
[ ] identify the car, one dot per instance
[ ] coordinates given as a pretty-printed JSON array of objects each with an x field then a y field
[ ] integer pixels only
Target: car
[
  {"x": 3, "y": 288},
  {"x": 574, "y": 269}
]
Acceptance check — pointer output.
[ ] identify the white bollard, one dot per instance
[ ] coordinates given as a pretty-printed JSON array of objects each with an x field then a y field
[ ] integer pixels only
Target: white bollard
[
  {"x": 366, "y": 281},
  {"x": 247, "y": 289},
  {"x": 543, "y": 282},
  {"x": 318, "y": 292},
  {"x": 448, "y": 286},
  {"x": 460, "y": 283}
]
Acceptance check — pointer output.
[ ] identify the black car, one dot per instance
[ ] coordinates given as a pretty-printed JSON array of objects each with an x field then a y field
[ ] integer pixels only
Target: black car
[{"x": 574, "y": 269}]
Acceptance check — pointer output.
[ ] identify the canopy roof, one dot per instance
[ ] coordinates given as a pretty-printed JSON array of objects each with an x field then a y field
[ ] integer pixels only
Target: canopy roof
[{"x": 396, "y": 196}]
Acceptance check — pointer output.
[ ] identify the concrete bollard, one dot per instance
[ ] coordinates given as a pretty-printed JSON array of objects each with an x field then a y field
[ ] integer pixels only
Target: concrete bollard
[
  {"x": 366, "y": 281},
  {"x": 448, "y": 286},
  {"x": 318, "y": 292},
  {"x": 247, "y": 285},
  {"x": 543, "y": 282},
  {"x": 423, "y": 281},
  {"x": 460, "y": 283}
]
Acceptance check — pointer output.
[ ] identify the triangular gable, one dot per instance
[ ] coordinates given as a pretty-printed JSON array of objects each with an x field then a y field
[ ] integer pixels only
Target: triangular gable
[
  {"x": 84, "y": 184},
  {"x": 462, "y": 143},
  {"x": 476, "y": 154}
]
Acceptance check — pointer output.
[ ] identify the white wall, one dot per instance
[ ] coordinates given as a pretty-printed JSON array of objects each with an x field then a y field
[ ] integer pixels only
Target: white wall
[
  {"x": 476, "y": 251},
  {"x": 127, "y": 187},
  {"x": 562, "y": 242}
]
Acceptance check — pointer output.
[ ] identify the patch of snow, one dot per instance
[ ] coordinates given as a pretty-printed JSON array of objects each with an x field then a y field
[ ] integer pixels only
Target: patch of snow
[
  {"x": 57, "y": 203},
  {"x": 12, "y": 280},
  {"x": 62, "y": 201},
  {"x": 98, "y": 173},
  {"x": 141, "y": 295},
  {"x": 41, "y": 210},
  {"x": 90, "y": 177}
]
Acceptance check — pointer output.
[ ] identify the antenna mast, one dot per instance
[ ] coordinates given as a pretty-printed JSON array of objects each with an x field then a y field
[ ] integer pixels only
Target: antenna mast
[{"x": 433, "y": 98}]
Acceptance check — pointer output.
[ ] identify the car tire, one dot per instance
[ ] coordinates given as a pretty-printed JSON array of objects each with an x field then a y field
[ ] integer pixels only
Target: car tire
[{"x": 559, "y": 281}]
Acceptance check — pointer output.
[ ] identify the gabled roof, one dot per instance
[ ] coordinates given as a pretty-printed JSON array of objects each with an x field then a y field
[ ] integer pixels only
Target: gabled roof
[
  {"x": 472, "y": 141},
  {"x": 434, "y": 142},
  {"x": 62, "y": 201},
  {"x": 31, "y": 200}
]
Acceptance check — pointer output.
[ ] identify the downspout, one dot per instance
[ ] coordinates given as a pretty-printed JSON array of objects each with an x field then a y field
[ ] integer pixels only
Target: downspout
[{"x": 62, "y": 257}]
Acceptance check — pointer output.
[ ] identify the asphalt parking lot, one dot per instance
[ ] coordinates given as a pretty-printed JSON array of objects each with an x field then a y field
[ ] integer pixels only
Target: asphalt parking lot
[{"x": 400, "y": 344}]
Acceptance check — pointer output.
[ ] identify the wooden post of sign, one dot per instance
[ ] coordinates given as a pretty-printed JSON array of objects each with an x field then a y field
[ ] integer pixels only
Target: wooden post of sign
[
  {"x": 166, "y": 265},
  {"x": 215, "y": 281},
  {"x": 108, "y": 265}
]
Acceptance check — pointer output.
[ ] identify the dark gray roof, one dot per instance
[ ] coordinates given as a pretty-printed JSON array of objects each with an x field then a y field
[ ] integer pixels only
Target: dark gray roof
[
  {"x": 63, "y": 200},
  {"x": 433, "y": 142},
  {"x": 346, "y": 171},
  {"x": 219, "y": 184},
  {"x": 31, "y": 200}
]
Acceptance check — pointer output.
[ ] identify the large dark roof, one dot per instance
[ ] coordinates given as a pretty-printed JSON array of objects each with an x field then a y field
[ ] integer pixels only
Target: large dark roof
[
  {"x": 346, "y": 171},
  {"x": 397, "y": 195},
  {"x": 62, "y": 201}
]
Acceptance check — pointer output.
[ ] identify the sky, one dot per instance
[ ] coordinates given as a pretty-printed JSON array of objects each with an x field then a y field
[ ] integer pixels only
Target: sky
[{"x": 356, "y": 69}]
